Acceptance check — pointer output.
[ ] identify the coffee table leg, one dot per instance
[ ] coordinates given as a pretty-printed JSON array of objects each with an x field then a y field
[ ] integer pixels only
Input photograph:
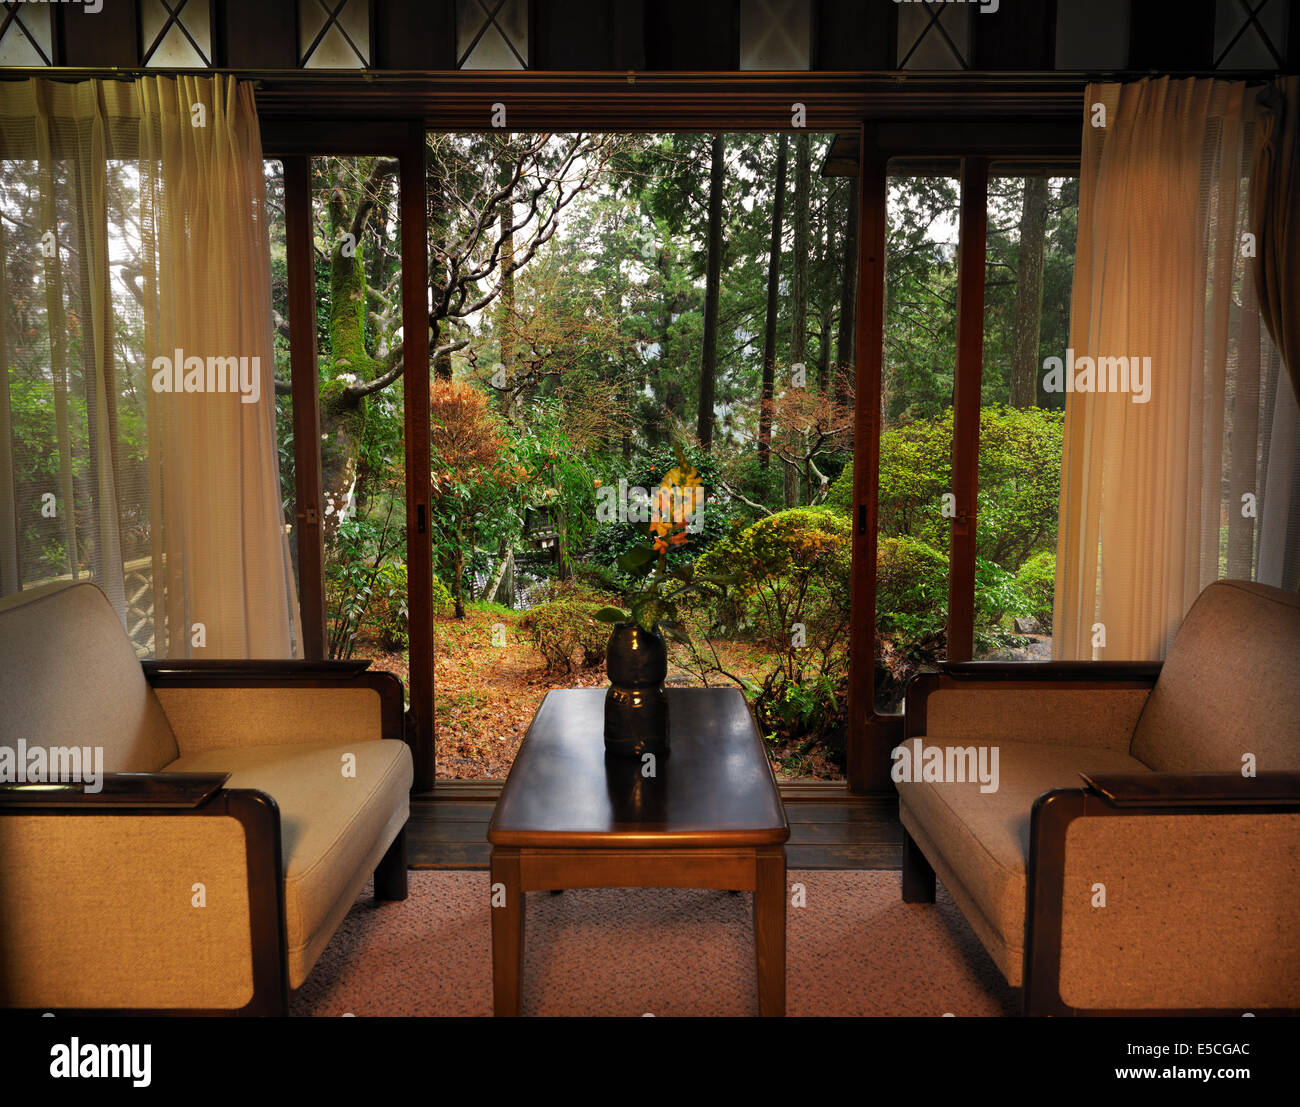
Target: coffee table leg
[
  {"x": 769, "y": 928},
  {"x": 507, "y": 933}
]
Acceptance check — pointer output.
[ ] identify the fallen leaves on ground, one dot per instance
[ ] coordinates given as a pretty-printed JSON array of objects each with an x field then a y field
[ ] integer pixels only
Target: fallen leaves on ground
[{"x": 485, "y": 695}]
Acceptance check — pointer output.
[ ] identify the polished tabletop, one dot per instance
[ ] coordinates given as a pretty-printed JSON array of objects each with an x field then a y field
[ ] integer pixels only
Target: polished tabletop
[{"x": 714, "y": 787}]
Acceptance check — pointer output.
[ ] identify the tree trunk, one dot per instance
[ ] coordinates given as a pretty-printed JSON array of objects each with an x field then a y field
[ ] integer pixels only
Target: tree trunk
[
  {"x": 1029, "y": 295},
  {"x": 507, "y": 288},
  {"x": 799, "y": 284},
  {"x": 562, "y": 543},
  {"x": 437, "y": 233},
  {"x": 773, "y": 307},
  {"x": 712, "y": 279},
  {"x": 826, "y": 310},
  {"x": 458, "y": 576},
  {"x": 844, "y": 347}
]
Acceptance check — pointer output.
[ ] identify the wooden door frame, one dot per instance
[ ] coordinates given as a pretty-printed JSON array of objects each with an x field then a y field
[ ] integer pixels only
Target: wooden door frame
[
  {"x": 967, "y": 149},
  {"x": 296, "y": 144},
  {"x": 925, "y": 118}
]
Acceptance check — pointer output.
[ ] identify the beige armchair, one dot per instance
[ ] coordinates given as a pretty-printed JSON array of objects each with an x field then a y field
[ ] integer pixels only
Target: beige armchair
[
  {"x": 1141, "y": 852},
  {"x": 244, "y": 807}
]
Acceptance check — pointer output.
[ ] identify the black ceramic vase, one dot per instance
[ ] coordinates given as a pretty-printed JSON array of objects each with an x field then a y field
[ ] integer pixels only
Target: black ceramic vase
[{"x": 636, "y": 707}]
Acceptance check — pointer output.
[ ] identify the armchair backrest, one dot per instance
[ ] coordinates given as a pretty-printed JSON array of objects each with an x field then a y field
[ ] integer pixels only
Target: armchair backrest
[
  {"x": 1230, "y": 685},
  {"x": 70, "y": 677}
]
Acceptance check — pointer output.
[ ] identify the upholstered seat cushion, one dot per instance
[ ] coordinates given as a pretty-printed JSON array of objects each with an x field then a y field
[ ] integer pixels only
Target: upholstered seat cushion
[
  {"x": 334, "y": 826},
  {"x": 979, "y": 841}
]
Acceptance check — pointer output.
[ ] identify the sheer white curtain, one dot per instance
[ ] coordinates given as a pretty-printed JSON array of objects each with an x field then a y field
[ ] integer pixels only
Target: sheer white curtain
[
  {"x": 137, "y": 417},
  {"x": 1161, "y": 496}
]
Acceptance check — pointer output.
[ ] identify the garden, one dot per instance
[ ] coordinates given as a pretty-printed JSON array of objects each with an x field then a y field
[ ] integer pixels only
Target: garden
[{"x": 619, "y": 317}]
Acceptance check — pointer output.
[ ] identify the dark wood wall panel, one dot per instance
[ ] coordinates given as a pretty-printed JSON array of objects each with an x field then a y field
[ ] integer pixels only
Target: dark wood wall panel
[
  {"x": 588, "y": 34},
  {"x": 1015, "y": 37},
  {"x": 110, "y": 37},
  {"x": 692, "y": 34},
  {"x": 253, "y": 34},
  {"x": 1293, "y": 40},
  {"x": 854, "y": 34},
  {"x": 415, "y": 34},
  {"x": 1165, "y": 38}
]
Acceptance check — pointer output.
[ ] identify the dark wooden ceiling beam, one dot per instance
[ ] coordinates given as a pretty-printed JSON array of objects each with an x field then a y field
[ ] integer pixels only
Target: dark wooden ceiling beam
[{"x": 654, "y": 101}]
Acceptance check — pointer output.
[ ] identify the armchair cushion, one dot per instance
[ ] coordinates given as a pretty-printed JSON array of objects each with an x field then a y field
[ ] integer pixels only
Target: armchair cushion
[
  {"x": 979, "y": 841},
  {"x": 1228, "y": 685},
  {"x": 69, "y": 676},
  {"x": 331, "y": 837}
]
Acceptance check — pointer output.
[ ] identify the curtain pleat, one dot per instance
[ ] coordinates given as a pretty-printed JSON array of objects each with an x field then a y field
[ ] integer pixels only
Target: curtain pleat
[
  {"x": 1275, "y": 218},
  {"x": 1160, "y": 497}
]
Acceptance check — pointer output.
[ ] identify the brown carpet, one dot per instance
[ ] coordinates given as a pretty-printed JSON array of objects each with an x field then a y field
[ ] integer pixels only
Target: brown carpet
[{"x": 854, "y": 949}]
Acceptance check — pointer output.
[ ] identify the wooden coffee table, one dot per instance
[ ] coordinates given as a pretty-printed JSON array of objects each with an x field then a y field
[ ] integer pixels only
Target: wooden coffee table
[{"x": 569, "y": 818}]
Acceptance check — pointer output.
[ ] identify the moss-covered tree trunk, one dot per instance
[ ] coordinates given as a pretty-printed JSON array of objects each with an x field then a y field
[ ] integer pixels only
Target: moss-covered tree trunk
[{"x": 343, "y": 414}]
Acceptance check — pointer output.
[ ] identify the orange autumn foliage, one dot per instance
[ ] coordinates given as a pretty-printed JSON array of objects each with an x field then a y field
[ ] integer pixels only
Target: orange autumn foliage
[{"x": 465, "y": 433}]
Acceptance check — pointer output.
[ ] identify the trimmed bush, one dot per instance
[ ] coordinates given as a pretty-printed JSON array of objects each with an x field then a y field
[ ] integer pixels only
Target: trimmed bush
[
  {"x": 911, "y": 579},
  {"x": 800, "y": 540},
  {"x": 566, "y": 634}
]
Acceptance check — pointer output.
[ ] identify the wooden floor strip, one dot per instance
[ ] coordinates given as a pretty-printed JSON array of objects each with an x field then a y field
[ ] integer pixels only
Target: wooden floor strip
[{"x": 859, "y": 832}]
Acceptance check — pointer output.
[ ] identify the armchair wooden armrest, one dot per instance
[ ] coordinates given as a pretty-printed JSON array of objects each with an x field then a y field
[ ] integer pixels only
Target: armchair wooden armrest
[
  {"x": 1194, "y": 789},
  {"x": 118, "y": 790},
  {"x": 1057, "y": 672}
]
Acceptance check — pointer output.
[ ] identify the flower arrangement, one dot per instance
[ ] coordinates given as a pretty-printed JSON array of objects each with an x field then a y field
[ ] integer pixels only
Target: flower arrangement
[{"x": 652, "y": 602}]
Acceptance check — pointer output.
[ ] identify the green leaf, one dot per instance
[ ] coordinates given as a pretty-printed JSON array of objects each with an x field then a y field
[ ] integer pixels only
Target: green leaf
[
  {"x": 635, "y": 557},
  {"x": 612, "y": 615}
]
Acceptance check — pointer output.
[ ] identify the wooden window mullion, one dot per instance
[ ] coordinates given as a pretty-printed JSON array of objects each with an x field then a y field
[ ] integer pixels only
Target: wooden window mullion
[
  {"x": 868, "y": 763},
  {"x": 306, "y": 412},
  {"x": 971, "y": 241},
  {"x": 419, "y": 536}
]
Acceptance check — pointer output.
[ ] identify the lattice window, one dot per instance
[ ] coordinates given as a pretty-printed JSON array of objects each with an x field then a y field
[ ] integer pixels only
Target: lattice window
[
  {"x": 934, "y": 35},
  {"x": 176, "y": 34},
  {"x": 26, "y": 34},
  {"x": 491, "y": 34},
  {"x": 334, "y": 34},
  {"x": 775, "y": 34},
  {"x": 1250, "y": 34}
]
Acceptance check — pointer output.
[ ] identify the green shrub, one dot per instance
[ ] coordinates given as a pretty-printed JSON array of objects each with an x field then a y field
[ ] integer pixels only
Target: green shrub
[
  {"x": 840, "y": 495},
  {"x": 1019, "y": 482},
  {"x": 791, "y": 590},
  {"x": 997, "y": 596},
  {"x": 911, "y": 580},
  {"x": 803, "y": 541},
  {"x": 388, "y": 616},
  {"x": 1037, "y": 581},
  {"x": 565, "y": 630},
  {"x": 599, "y": 580}
]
